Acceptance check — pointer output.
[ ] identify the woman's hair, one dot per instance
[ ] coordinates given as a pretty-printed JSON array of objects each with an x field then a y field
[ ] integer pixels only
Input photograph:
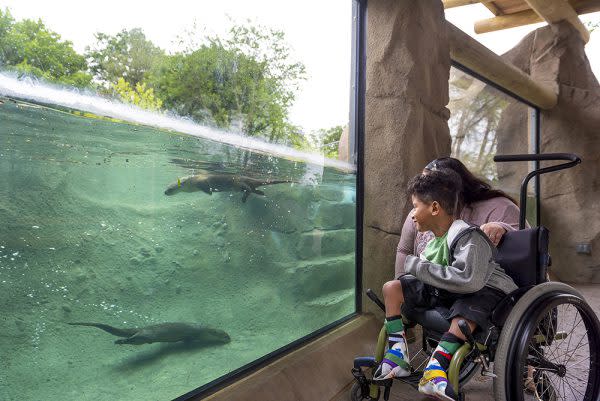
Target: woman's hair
[
  {"x": 474, "y": 189},
  {"x": 440, "y": 185}
]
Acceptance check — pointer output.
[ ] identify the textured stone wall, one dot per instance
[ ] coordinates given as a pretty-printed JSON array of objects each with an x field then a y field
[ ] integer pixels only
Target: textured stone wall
[
  {"x": 408, "y": 66},
  {"x": 570, "y": 203}
]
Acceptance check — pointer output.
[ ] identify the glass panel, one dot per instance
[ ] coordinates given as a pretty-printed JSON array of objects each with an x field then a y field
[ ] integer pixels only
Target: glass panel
[
  {"x": 485, "y": 122},
  {"x": 148, "y": 249}
]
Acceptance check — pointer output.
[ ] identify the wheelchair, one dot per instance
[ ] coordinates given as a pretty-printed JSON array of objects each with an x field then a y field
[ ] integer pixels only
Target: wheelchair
[{"x": 543, "y": 343}]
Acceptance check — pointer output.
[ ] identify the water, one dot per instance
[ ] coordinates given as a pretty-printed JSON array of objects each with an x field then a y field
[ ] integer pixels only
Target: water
[{"x": 87, "y": 234}]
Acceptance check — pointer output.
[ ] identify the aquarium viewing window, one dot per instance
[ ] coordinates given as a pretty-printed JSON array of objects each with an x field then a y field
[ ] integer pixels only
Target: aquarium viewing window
[
  {"x": 481, "y": 119},
  {"x": 177, "y": 203}
]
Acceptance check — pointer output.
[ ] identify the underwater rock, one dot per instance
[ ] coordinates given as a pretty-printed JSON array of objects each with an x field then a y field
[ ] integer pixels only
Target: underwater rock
[
  {"x": 333, "y": 215},
  {"x": 326, "y": 243}
]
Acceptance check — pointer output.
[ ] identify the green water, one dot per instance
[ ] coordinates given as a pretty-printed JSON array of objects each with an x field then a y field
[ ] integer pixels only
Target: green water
[{"x": 87, "y": 234}]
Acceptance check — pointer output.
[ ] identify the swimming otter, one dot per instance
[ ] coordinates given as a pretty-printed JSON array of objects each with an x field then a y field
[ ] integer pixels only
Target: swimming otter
[
  {"x": 210, "y": 183},
  {"x": 164, "y": 333}
]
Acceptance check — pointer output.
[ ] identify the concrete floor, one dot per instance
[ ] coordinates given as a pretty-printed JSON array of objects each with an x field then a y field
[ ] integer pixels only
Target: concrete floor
[{"x": 479, "y": 388}]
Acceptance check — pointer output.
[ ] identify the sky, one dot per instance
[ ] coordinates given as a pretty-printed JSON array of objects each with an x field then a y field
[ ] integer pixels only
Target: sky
[{"x": 318, "y": 31}]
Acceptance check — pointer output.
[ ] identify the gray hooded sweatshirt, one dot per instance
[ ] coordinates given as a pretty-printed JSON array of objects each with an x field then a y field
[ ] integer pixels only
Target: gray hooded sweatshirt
[{"x": 472, "y": 269}]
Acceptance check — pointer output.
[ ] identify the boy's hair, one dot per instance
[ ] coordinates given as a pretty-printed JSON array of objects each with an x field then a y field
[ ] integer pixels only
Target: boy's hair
[{"x": 441, "y": 185}]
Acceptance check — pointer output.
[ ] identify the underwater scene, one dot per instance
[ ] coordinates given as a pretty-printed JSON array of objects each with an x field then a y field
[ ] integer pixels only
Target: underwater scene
[{"x": 139, "y": 263}]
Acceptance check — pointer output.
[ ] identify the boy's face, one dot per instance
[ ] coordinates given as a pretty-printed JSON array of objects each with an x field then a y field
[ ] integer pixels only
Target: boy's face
[{"x": 424, "y": 214}]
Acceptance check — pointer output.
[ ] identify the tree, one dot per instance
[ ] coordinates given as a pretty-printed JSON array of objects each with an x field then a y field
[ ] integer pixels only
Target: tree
[
  {"x": 127, "y": 55},
  {"x": 29, "y": 47},
  {"x": 475, "y": 113},
  {"x": 246, "y": 78},
  {"x": 592, "y": 26},
  {"x": 140, "y": 95},
  {"x": 328, "y": 140}
]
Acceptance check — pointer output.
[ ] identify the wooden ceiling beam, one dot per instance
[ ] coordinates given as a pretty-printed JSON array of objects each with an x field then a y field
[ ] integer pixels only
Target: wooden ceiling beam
[
  {"x": 478, "y": 58},
  {"x": 493, "y": 8},
  {"x": 507, "y": 21},
  {"x": 460, "y": 3},
  {"x": 554, "y": 11},
  {"x": 529, "y": 17}
]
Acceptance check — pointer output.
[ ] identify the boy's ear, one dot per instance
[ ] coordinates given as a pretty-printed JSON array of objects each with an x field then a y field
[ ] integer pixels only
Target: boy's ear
[{"x": 435, "y": 208}]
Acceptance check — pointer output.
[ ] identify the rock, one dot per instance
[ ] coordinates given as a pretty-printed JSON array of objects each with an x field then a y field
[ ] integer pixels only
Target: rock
[{"x": 555, "y": 55}]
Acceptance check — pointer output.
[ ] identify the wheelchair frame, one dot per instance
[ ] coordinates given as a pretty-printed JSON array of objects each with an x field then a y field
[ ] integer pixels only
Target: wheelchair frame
[{"x": 501, "y": 343}]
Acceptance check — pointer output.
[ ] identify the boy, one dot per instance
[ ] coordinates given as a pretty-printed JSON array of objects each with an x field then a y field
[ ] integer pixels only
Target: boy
[{"x": 468, "y": 283}]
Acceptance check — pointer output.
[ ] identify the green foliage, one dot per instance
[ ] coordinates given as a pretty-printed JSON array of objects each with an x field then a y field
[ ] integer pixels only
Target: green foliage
[
  {"x": 140, "y": 96},
  {"x": 29, "y": 47},
  {"x": 328, "y": 140},
  {"x": 592, "y": 26},
  {"x": 128, "y": 55},
  {"x": 244, "y": 78}
]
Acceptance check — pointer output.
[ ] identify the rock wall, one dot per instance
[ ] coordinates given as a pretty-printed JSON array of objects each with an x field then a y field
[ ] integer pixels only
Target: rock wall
[
  {"x": 570, "y": 204},
  {"x": 408, "y": 66}
]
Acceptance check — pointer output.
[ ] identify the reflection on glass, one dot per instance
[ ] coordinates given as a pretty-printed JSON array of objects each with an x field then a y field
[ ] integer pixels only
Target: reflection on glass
[{"x": 485, "y": 122}]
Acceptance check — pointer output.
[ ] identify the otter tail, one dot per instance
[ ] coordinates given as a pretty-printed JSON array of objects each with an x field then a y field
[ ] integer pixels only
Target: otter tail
[{"x": 109, "y": 329}]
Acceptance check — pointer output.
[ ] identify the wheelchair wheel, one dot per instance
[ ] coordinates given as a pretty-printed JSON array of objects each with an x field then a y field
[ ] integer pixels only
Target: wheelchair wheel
[
  {"x": 549, "y": 348},
  {"x": 356, "y": 394}
]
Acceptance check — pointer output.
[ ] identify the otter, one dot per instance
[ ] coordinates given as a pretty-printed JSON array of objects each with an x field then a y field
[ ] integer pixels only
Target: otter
[
  {"x": 164, "y": 333},
  {"x": 210, "y": 183}
]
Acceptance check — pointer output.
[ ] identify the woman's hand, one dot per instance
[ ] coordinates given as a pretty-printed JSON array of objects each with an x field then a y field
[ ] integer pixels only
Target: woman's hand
[{"x": 494, "y": 231}]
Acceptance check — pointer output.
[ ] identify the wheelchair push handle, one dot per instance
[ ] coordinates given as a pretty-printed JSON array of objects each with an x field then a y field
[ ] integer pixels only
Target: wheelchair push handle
[
  {"x": 538, "y": 157},
  {"x": 571, "y": 161},
  {"x": 371, "y": 294}
]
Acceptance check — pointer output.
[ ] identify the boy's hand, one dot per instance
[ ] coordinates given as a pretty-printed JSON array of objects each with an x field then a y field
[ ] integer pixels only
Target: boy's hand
[{"x": 494, "y": 231}]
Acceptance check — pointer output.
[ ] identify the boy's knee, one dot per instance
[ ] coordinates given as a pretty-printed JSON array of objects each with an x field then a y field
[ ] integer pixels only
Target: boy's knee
[{"x": 392, "y": 287}]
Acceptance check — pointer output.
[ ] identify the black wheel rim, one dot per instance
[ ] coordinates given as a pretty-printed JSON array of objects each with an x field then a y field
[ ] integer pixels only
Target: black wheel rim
[{"x": 559, "y": 338}]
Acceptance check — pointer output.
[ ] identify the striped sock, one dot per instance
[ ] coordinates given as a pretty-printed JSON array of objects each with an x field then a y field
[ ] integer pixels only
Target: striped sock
[
  {"x": 435, "y": 377},
  {"x": 395, "y": 362},
  {"x": 395, "y": 330}
]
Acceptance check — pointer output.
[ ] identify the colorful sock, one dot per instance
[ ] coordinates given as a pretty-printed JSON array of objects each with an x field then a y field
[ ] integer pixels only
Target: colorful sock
[
  {"x": 395, "y": 362},
  {"x": 395, "y": 330},
  {"x": 435, "y": 377}
]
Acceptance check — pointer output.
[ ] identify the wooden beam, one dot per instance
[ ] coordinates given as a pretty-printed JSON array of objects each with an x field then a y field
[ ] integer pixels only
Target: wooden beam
[
  {"x": 460, "y": 3},
  {"x": 492, "y": 7},
  {"x": 554, "y": 11},
  {"x": 478, "y": 58},
  {"x": 507, "y": 21},
  {"x": 586, "y": 6},
  {"x": 529, "y": 17}
]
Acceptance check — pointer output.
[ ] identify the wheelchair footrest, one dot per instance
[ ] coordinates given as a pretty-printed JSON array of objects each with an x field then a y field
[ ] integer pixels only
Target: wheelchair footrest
[{"x": 413, "y": 379}]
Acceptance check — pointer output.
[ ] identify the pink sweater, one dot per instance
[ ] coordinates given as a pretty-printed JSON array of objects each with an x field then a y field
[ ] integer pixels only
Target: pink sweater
[{"x": 498, "y": 210}]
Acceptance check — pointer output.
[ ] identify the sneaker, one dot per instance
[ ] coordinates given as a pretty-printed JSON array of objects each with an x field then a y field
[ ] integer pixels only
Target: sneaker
[
  {"x": 438, "y": 388},
  {"x": 395, "y": 363}
]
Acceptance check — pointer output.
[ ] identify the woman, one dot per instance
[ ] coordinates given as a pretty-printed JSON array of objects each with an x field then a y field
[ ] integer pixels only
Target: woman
[{"x": 492, "y": 209}]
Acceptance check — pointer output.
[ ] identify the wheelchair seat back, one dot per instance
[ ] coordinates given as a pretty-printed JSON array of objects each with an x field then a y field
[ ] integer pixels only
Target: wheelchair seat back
[{"x": 524, "y": 255}]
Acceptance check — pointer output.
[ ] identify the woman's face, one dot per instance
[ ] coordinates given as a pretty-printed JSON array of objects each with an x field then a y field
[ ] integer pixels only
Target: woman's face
[{"x": 422, "y": 214}]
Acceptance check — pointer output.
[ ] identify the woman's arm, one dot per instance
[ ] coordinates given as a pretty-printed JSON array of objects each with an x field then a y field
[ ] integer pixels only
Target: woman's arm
[{"x": 406, "y": 245}]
